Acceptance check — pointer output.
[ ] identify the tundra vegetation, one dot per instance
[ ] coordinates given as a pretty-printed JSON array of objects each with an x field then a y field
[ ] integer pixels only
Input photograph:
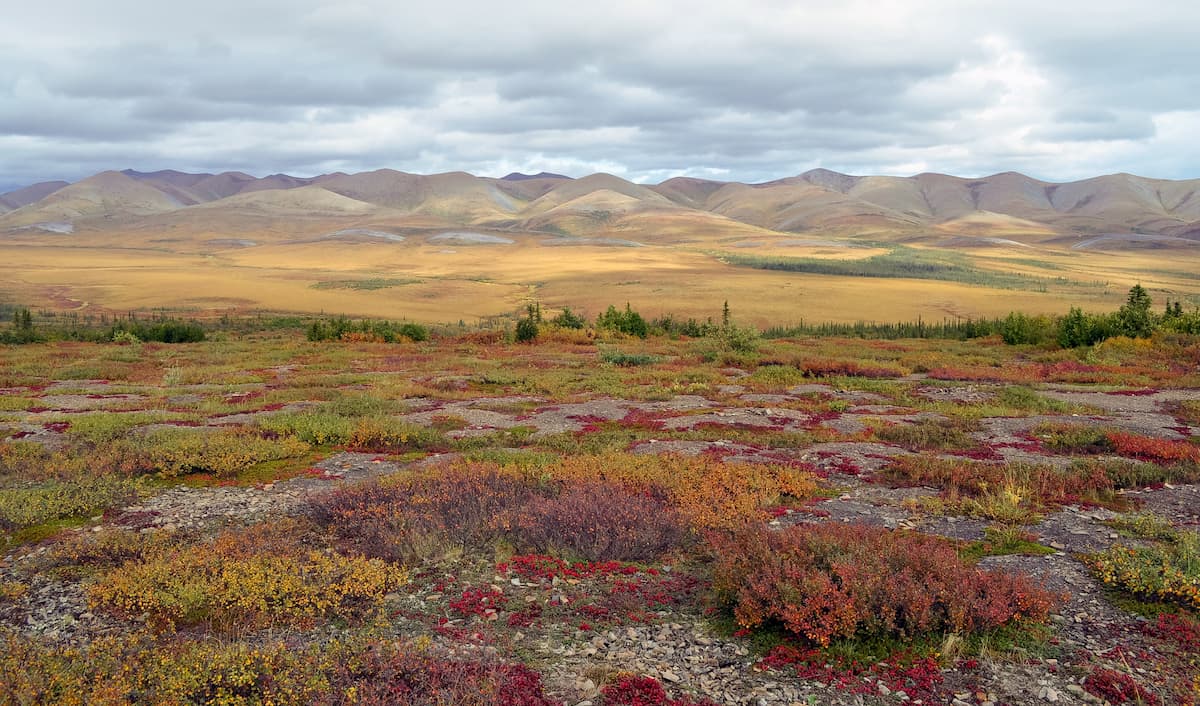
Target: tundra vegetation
[{"x": 615, "y": 509}]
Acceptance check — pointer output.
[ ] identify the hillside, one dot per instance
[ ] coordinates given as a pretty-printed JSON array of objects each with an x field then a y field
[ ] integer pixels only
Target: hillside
[
  {"x": 1162, "y": 213},
  {"x": 819, "y": 246}
]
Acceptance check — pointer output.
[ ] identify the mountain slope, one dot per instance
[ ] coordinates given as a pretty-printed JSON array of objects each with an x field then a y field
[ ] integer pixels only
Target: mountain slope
[
  {"x": 923, "y": 207},
  {"x": 30, "y": 194}
]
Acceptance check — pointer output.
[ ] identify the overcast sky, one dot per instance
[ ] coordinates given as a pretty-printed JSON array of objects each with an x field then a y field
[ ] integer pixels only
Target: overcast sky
[{"x": 751, "y": 90}]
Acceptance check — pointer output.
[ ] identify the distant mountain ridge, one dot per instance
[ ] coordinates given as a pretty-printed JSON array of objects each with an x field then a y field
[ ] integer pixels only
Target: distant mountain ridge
[{"x": 817, "y": 201}]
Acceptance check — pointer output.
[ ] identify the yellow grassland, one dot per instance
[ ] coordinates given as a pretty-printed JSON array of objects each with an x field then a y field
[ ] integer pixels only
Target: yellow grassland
[{"x": 182, "y": 269}]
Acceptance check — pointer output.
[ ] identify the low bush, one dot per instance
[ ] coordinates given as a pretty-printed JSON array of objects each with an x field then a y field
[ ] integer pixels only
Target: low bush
[
  {"x": 627, "y": 360},
  {"x": 929, "y": 433},
  {"x": 1154, "y": 449},
  {"x": 827, "y": 581},
  {"x": 823, "y": 368},
  {"x": 386, "y": 435},
  {"x": 476, "y": 506},
  {"x": 1115, "y": 687},
  {"x": 164, "y": 331},
  {"x": 313, "y": 427},
  {"x": 1073, "y": 438},
  {"x": 414, "y": 517},
  {"x": 168, "y": 671},
  {"x": 27, "y": 506},
  {"x": 344, "y": 329},
  {"x": 1008, "y": 492},
  {"x": 708, "y": 492},
  {"x": 225, "y": 453},
  {"x": 1165, "y": 571},
  {"x": 84, "y": 553},
  {"x": 246, "y": 579},
  {"x": 382, "y": 677},
  {"x": 598, "y": 521}
]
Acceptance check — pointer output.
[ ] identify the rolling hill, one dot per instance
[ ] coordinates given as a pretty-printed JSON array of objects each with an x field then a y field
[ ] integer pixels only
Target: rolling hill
[
  {"x": 930, "y": 245},
  {"x": 926, "y": 206}
]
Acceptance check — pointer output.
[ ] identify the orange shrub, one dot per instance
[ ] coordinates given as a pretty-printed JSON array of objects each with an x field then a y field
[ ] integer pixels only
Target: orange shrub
[
  {"x": 1153, "y": 449},
  {"x": 710, "y": 493}
]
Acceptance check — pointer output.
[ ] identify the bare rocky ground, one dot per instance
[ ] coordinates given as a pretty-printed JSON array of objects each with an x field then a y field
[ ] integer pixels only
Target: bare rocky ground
[{"x": 680, "y": 648}]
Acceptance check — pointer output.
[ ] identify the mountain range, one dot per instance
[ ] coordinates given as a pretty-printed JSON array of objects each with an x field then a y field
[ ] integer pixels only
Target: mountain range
[{"x": 1106, "y": 212}]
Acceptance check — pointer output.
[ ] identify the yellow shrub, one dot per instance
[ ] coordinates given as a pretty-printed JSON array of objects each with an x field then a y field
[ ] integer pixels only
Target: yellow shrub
[{"x": 229, "y": 585}]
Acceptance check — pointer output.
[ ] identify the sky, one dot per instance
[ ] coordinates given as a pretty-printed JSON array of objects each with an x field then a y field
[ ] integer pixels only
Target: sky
[{"x": 748, "y": 91}]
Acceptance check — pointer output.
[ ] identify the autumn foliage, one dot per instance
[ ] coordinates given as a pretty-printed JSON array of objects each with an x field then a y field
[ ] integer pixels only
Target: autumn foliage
[{"x": 822, "y": 582}]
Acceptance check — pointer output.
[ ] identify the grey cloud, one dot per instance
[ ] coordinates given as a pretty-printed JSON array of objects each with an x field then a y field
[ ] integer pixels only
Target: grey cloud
[{"x": 760, "y": 90}]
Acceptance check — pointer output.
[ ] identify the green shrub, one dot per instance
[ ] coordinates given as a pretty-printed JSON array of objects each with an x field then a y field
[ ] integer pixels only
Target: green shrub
[
  {"x": 925, "y": 433},
  {"x": 58, "y": 499},
  {"x": 628, "y": 322},
  {"x": 568, "y": 319},
  {"x": 527, "y": 330},
  {"x": 1018, "y": 328},
  {"x": 627, "y": 360},
  {"x": 224, "y": 453},
  {"x": 1166, "y": 571},
  {"x": 313, "y": 427}
]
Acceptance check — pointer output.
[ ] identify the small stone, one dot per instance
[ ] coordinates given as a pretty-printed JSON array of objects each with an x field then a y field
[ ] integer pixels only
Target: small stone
[
  {"x": 670, "y": 676},
  {"x": 883, "y": 690}
]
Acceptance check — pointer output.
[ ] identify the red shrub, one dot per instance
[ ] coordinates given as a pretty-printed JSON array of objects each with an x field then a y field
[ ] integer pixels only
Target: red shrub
[
  {"x": 601, "y": 521},
  {"x": 834, "y": 580},
  {"x": 398, "y": 521},
  {"x": 479, "y": 601}
]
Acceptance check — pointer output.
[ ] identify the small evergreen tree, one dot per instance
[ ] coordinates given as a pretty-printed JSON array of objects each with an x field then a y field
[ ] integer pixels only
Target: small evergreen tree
[
  {"x": 568, "y": 319},
  {"x": 527, "y": 328},
  {"x": 1134, "y": 318}
]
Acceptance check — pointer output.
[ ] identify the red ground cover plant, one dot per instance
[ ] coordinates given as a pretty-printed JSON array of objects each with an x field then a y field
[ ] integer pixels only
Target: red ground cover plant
[
  {"x": 1179, "y": 629},
  {"x": 600, "y": 593},
  {"x": 644, "y": 691},
  {"x": 1153, "y": 449},
  {"x": 828, "y": 581},
  {"x": 1118, "y": 688},
  {"x": 399, "y": 678},
  {"x": 918, "y": 677}
]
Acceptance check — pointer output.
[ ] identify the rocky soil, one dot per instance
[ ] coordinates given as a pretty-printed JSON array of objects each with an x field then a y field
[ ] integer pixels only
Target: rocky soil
[{"x": 682, "y": 649}]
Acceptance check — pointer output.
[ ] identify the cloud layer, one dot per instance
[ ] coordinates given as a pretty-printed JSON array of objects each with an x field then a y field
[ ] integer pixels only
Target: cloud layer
[{"x": 749, "y": 91}]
